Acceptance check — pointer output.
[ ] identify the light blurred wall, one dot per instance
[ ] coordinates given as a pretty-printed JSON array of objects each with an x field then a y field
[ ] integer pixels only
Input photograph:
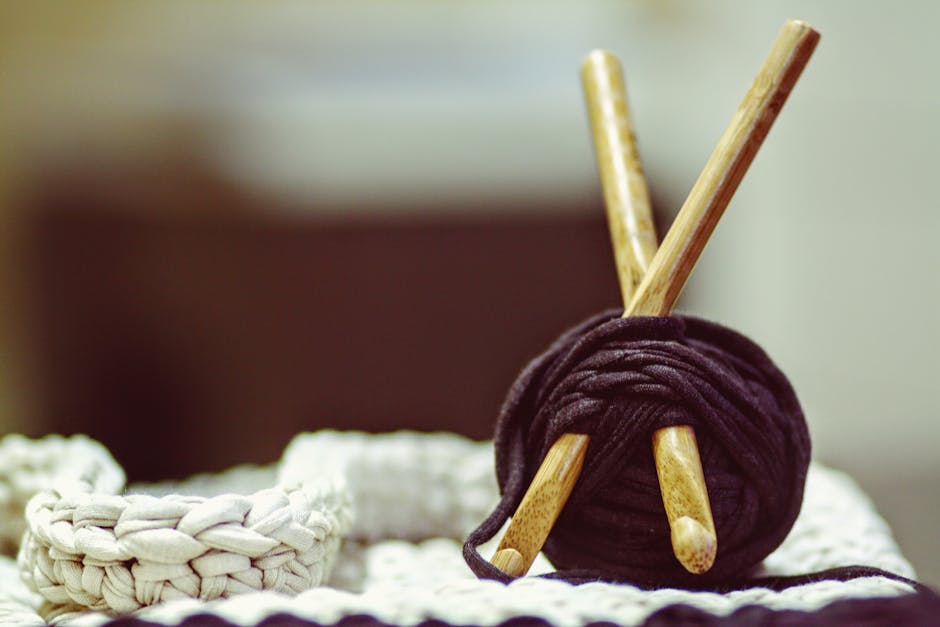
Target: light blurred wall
[
  {"x": 827, "y": 253},
  {"x": 826, "y": 256}
]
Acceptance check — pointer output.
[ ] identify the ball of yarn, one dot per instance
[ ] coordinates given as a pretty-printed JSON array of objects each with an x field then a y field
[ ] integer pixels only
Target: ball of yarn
[{"x": 620, "y": 379}]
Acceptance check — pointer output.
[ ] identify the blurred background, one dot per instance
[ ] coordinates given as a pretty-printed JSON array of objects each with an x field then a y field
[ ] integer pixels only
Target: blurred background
[{"x": 223, "y": 224}]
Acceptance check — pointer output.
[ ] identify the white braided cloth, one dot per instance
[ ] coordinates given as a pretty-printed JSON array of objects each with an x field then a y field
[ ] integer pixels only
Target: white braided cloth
[
  {"x": 29, "y": 466},
  {"x": 411, "y": 478},
  {"x": 118, "y": 553}
]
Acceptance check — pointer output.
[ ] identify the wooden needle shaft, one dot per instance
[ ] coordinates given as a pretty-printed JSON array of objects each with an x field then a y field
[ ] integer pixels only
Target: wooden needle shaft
[
  {"x": 662, "y": 284},
  {"x": 634, "y": 242},
  {"x": 626, "y": 197},
  {"x": 541, "y": 505},
  {"x": 675, "y": 450},
  {"x": 632, "y": 233}
]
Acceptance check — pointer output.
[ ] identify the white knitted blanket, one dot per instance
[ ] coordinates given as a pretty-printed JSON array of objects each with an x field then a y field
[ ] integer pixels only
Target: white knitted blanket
[{"x": 415, "y": 496}]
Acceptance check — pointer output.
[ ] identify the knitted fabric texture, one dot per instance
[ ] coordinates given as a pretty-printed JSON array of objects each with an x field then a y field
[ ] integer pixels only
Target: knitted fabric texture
[
  {"x": 117, "y": 553},
  {"x": 403, "y": 485},
  {"x": 618, "y": 380},
  {"x": 406, "y": 583}
]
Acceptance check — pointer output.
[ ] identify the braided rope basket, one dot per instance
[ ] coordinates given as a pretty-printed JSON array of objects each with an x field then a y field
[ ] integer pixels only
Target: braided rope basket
[
  {"x": 103, "y": 551},
  {"x": 91, "y": 555}
]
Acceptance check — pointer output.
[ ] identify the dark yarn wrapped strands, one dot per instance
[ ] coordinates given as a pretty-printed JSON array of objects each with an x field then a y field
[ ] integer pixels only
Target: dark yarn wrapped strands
[{"x": 618, "y": 380}]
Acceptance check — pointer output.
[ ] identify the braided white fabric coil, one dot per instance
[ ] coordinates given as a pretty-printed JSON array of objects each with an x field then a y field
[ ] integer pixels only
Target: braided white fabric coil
[
  {"x": 104, "y": 551},
  {"x": 407, "y": 483},
  {"x": 30, "y": 466}
]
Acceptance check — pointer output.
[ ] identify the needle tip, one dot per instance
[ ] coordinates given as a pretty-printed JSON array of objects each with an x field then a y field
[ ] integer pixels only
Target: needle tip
[
  {"x": 509, "y": 561},
  {"x": 695, "y": 545}
]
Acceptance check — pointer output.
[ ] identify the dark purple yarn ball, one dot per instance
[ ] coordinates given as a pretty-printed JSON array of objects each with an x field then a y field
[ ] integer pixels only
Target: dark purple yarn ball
[{"x": 618, "y": 380}]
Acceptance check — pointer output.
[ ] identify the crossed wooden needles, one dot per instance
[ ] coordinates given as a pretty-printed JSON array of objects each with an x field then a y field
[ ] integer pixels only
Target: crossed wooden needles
[{"x": 650, "y": 283}]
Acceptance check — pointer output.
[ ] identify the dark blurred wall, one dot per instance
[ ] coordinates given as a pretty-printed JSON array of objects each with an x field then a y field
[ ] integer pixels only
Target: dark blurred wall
[{"x": 191, "y": 328}]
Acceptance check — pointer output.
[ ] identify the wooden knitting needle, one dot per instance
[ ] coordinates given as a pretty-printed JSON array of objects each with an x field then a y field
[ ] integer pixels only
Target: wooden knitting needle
[
  {"x": 675, "y": 450},
  {"x": 725, "y": 168},
  {"x": 666, "y": 277},
  {"x": 633, "y": 236},
  {"x": 629, "y": 216}
]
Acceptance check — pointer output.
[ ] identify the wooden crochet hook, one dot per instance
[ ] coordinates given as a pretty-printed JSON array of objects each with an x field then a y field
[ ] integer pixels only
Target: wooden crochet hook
[
  {"x": 633, "y": 236},
  {"x": 662, "y": 284}
]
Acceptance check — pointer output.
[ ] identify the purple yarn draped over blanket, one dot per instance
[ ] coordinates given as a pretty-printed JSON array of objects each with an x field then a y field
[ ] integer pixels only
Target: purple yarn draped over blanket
[{"x": 618, "y": 380}]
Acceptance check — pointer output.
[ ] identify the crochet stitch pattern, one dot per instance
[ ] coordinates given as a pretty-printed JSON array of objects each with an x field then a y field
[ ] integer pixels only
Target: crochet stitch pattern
[
  {"x": 397, "y": 582},
  {"x": 119, "y": 553}
]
